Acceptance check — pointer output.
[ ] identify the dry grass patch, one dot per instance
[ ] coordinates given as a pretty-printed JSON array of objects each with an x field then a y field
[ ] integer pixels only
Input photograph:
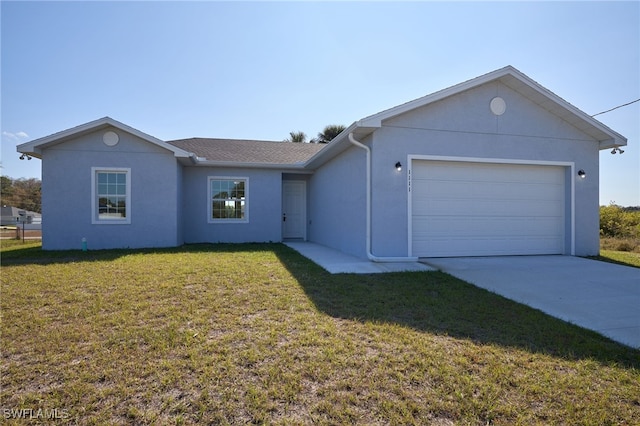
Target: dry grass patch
[
  {"x": 631, "y": 245},
  {"x": 236, "y": 334}
]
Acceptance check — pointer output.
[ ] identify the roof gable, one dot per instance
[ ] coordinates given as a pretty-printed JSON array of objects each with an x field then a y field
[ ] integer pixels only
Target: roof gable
[
  {"x": 514, "y": 79},
  {"x": 35, "y": 147},
  {"x": 510, "y": 77}
]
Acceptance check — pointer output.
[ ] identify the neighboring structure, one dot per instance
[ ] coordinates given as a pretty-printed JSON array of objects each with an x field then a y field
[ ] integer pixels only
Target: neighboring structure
[
  {"x": 497, "y": 165},
  {"x": 11, "y": 216}
]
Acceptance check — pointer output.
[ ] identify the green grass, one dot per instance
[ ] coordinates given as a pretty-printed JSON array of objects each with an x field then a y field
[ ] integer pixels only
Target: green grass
[
  {"x": 236, "y": 334},
  {"x": 620, "y": 257}
]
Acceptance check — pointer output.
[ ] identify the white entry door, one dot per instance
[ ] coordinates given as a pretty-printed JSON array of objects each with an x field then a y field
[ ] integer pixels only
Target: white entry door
[{"x": 294, "y": 210}]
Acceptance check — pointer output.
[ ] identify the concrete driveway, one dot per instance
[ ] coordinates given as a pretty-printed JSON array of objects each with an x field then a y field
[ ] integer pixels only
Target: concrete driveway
[{"x": 600, "y": 296}]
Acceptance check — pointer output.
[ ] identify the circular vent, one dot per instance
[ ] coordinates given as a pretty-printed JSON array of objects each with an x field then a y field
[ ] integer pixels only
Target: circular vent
[
  {"x": 498, "y": 106},
  {"x": 110, "y": 138}
]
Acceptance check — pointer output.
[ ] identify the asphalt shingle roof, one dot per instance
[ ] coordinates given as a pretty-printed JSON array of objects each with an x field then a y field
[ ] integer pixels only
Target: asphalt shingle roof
[{"x": 249, "y": 151}]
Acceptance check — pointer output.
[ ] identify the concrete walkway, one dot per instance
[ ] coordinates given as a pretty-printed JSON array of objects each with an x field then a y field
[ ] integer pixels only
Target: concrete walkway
[
  {"x": 600, "y": 296},
  {"x": 336, "y": 262}
]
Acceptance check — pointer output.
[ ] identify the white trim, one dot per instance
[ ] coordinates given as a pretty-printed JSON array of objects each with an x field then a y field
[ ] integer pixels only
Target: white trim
[
  {"x": 210, "y": 218},
  {"x": 538, "y": 94},
  {"x": 573, "y": 208},
  {"x": 94, "y": 212},
  {"x": 35, "y": 147},
  {"x": 569, "y": 164},
  {"x": 607, "y": 137},
  {"x": 293, "y": 167}
]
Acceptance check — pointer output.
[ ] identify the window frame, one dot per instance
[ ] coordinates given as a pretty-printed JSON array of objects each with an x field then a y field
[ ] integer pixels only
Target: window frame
[
  {"x": 210, "y": 218},
  {"x": 95, "y": 213}
]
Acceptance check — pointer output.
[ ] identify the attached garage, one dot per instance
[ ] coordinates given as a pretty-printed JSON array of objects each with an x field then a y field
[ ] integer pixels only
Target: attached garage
[{"x": 471, "y": 208}]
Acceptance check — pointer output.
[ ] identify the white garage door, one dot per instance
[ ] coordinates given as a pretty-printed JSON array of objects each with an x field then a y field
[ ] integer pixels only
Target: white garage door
[{"x": 486, "y": 209}]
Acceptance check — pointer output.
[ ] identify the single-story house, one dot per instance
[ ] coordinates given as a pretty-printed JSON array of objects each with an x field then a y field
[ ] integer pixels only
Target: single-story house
[
  {"x": 12, "y": 216},
  {"x": 497, "y": 165}
]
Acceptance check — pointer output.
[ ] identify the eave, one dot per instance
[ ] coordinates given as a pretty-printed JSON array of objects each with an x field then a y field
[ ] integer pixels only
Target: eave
[
  {"x": 35, "y": 147},
  {"x": 510, "y": 77},
  {"x": 297, "y": 168}
]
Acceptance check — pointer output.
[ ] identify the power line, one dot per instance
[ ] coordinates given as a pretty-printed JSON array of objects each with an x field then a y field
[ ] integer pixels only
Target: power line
[{"x": 619, "y": 106}]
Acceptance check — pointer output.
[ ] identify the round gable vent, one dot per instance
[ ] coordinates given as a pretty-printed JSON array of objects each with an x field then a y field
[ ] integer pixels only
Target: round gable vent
[
  {"x": 498, "y": 106},
  {"x": 110, "y": 138}
]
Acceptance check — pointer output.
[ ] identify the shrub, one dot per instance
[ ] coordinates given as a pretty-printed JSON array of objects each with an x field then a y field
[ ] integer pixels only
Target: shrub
[
  {"x": 620, "y": 228},
  {"x": 619, "y": 222}
]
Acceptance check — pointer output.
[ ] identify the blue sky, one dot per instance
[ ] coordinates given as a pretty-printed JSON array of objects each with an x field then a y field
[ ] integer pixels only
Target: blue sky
[{"x": 258, "y": 70}]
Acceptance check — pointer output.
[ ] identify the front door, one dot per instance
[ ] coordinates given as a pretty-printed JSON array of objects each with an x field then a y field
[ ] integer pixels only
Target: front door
[{"x": 294, "y": 210}]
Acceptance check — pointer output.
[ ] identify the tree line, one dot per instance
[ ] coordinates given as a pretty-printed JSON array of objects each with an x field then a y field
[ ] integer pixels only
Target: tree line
[
  {"x": 325, "y": 136},
  {"x": 22, "y": 193}
]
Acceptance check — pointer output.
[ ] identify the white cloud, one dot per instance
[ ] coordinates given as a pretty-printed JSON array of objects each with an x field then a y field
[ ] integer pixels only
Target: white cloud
[{"x": 15, "y": 137}]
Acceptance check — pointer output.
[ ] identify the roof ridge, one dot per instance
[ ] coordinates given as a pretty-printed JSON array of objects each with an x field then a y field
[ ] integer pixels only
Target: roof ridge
[{"x": 198, "y": 138}]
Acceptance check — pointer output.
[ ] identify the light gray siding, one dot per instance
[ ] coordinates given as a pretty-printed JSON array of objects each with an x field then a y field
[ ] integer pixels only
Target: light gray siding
[
  {"x": 464, "y": 126},
  {"x": 67, "y": 195},
  {"x": 337, "y": 203},
  {"x": 264, "y": 207}
]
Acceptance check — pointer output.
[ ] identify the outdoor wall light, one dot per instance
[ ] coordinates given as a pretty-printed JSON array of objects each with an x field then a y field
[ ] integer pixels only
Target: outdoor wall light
[
  {"x": 582, "y": 173},
  {"x": 28, "y": 157},
  {"x": 620, "y": 151},
  {"x": 399, "y": 166}
]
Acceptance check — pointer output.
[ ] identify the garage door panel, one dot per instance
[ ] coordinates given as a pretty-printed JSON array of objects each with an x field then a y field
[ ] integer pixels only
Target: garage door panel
[
  {"x": 473, "y": 208},
  {"x": 473, "y": 226},
  {"x": 452, "y": 171},
  {"x": 481, "y": 209},
  {"x": 492, "y": 190},
  {"x": 501, "y": 247}
]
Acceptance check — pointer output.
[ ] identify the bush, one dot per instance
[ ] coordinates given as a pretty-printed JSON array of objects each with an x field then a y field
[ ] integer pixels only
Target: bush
[
  {"x": 619, "y": 222},
  {"x": 620, "y": 228}
]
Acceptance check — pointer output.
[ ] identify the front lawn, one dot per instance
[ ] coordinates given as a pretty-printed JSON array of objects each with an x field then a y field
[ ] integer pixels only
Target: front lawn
[{"x": 236, "y": 334}]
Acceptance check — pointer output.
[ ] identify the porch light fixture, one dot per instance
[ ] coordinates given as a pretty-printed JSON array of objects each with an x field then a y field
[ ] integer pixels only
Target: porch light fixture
[
  {"x": 399, "y": 166},
  {"x": 582, "y": 173}
]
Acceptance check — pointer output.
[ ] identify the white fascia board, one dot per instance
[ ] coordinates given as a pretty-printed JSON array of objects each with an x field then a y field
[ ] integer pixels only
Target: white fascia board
[
  {"x": 613, "y": 138},
  {"x": 179, "y": 153},
  {"x": 376, "y": 119},
  {"x": 335, "y": 147},
  {"x": 297, "y": 167},
  {"x": 35, "y": 147}
]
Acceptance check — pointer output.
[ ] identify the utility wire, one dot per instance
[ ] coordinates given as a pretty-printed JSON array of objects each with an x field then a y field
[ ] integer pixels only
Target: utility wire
[{"x": 619, "y": 106}]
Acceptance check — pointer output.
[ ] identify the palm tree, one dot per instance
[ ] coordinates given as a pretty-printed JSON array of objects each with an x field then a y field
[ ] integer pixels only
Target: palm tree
[
  {"x": 296, "y": 137},
  {"x": 329, "y": 132}
]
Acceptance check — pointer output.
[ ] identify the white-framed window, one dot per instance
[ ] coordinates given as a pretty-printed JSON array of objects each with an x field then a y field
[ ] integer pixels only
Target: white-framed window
[
  {"x": 228, "y": 199},
  {"x": 110, "y": 195}
]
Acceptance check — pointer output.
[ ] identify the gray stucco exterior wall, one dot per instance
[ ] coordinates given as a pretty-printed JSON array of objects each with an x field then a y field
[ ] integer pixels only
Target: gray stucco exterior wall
[
  {"x": 67, "y": 194},
  {"x": 337, "y": 212},
  {"x": 264, "y": 207},
  {"x": 464, "y": 126}
]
